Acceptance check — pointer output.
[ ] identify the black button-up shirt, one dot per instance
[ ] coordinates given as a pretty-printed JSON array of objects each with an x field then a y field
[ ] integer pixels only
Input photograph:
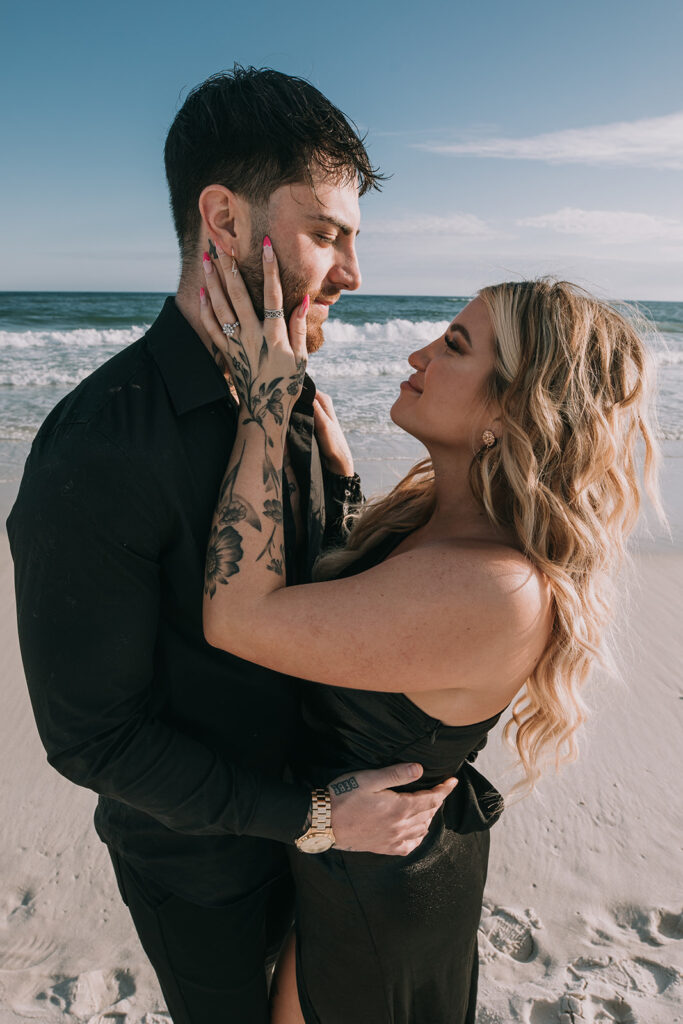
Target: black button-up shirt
[{"x": 184, "y": 744}]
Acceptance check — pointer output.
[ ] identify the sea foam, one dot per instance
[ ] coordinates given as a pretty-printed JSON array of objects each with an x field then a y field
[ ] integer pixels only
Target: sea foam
[{"x": 82, "y": 337}]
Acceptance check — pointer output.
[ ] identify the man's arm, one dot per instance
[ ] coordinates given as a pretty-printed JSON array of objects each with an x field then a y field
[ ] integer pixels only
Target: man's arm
[{"x": 86, "y": 535}]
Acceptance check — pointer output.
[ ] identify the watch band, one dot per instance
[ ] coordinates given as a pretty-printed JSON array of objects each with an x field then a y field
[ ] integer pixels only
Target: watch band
[
  {"x": 319, "y": 836},
  {"x": 321, "y": 810}
]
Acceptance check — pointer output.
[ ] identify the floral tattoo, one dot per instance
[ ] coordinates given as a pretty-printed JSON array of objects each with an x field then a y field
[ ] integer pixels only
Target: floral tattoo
[
  {"x": 261, "y": 403},
  {"x": 263, "y": 399},
  {"x": 224, "y": 551},
  {"x": 273, "y": 510},
  {"x": 222, "y": 557}
]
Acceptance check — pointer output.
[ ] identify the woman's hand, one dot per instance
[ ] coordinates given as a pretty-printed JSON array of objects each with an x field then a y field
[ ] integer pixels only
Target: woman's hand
[
  {"x": 267, "y": 364},
  {"x": 334, "y": 447}
]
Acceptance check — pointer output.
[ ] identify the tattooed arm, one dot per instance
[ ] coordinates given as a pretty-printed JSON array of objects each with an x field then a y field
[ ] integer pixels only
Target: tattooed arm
[{"x": 267, "y": 367}]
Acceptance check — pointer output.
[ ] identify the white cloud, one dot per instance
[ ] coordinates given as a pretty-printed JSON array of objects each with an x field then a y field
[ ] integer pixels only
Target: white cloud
[
  {"x": 651, "y": 142},
  {"x": 608, "y": 226},
  {"x": 458, "y": 224}
]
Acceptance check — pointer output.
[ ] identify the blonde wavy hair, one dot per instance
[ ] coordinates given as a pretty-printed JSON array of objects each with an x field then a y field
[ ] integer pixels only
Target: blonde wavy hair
[{"x": 574, "y": 384}]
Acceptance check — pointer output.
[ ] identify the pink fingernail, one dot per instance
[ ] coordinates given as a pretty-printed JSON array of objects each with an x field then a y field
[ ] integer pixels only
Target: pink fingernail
[
  {"x": 202, "y": 294},
  {"x": 206, "y": 263},
  {"x": 268, "y": 249},
  {"x": 304, "y": 305}
]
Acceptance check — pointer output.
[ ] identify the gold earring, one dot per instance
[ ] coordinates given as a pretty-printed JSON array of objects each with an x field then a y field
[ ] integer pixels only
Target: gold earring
[{"x": 488, "y": 439}]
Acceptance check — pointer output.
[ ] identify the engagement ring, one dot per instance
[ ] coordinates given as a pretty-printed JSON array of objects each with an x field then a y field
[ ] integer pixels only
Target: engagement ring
[{"x": 230, "y": 329}]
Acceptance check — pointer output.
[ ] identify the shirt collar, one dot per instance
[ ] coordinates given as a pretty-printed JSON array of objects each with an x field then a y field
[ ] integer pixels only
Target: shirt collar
[{"x": 191, "y": 376}]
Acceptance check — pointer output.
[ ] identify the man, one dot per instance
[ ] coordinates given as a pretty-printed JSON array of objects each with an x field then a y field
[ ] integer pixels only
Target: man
[{"x": 184, "y": 744}]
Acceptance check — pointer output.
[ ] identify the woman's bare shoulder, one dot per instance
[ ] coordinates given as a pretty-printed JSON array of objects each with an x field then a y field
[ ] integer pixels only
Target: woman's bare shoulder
[
  {"x": 503, "y": 605},
  {"x": 495, "y": 580},
  {"x": 490, "y": 564}
]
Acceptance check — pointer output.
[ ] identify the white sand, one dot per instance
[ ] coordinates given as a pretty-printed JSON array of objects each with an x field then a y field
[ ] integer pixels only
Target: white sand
[
  {"x": 583, "y": 912},
  {"x": 583, "y": 919}
]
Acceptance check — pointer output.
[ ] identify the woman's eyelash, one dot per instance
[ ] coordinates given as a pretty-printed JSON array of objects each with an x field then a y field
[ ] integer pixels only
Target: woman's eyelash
[{"x": 452, "y": 344}]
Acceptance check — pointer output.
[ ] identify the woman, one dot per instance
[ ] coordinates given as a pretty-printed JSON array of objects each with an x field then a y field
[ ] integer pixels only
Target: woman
[{"x": 486, "y": 570}]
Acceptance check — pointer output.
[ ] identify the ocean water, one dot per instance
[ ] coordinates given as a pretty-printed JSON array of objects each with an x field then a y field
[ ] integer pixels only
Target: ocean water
[{"x": 49, "y": 341}]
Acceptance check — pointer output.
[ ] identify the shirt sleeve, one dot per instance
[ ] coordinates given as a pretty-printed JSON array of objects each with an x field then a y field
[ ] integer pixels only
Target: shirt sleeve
[
  {"x": 341, "y": 492},
  {"x": 86, "y": 535}
]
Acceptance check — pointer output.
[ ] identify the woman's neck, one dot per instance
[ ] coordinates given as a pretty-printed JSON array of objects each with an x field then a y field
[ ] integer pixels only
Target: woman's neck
[{"x": 457, "y": 514}]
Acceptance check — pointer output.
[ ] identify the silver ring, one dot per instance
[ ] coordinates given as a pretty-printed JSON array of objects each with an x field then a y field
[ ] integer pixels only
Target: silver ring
[
  {"x": 273, "y": 314},
  {"x": 229, "y": 329}
]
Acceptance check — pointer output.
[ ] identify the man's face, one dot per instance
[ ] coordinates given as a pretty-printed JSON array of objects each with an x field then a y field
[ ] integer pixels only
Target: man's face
[{"x": 314, "y": 237}]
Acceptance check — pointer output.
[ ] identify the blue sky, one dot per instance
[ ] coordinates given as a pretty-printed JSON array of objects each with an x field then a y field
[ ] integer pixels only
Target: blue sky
[{"x": 522, "y": 138}]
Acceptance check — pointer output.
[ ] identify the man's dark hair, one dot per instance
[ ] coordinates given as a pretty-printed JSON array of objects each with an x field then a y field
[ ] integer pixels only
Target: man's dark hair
[{"x": 254, "y": 130}]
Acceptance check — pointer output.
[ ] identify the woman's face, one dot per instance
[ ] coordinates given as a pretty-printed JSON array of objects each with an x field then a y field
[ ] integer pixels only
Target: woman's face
[{"x": 444, "y": 403}]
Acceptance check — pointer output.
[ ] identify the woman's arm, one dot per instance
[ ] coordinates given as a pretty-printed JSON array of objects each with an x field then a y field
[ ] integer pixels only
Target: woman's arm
[
  {"x": 247, "y": 535},
  {"x": 405, "y": 625}
]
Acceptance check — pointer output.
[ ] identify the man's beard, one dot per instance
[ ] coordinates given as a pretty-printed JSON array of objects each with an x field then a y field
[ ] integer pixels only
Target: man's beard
[{"x": 294, "y": 286}]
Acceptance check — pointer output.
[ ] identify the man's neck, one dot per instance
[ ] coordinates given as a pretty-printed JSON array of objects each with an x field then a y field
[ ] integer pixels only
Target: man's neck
[{"x": 187, "y": 301}]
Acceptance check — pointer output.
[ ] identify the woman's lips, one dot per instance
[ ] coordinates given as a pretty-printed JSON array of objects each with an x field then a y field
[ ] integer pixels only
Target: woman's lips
[{"x": 407, "y": 385}]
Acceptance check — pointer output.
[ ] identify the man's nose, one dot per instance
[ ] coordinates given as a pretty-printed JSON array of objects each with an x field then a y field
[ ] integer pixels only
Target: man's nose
[{"x": 346, "y": 271}]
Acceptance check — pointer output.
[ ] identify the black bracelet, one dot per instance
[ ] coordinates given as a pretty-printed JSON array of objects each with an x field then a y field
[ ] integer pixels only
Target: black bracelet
[{"x": 353, "y": 493}]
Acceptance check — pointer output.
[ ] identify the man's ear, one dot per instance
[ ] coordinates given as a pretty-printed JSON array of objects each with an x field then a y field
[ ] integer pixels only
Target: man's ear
[{"x": 225, "y": 218}]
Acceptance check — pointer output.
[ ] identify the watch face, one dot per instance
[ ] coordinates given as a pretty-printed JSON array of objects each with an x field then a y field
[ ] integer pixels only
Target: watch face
[{"x": 315, "y": 844}]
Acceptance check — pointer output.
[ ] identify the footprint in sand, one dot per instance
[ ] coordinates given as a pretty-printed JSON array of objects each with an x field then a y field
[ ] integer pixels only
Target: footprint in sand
[
  {"x": 510, "y": 932},
  {"x": 123, "y": 1017},
  {"x": 19, "y": 951},
  {"x": 636, "y": 975},
  {"x": 656, "y": 927},
  {"x": 487, "y": 1016},
  {"x": 583, "y": 1008},
  {"x": 23, "y": 906},
  {"x": 670, "y": 925},
  {"x": 91, "y": 993},
  {"x": 17, "y": 905}
]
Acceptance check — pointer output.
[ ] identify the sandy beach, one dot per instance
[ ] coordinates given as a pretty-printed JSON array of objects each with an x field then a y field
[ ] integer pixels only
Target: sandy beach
[{"x": 582, "y": 920}]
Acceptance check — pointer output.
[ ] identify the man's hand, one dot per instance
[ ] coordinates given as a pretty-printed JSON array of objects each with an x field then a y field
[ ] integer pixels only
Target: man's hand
[
  {"x": 333, "y": 445},
  {"x": 367, "y": 815}
]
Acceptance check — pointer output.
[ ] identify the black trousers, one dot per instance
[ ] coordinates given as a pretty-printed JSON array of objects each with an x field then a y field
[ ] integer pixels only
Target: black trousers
[{"x": 210, "y": 961}]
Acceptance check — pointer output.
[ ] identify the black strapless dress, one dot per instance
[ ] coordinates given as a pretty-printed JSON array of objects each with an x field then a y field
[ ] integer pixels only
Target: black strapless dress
[{"x": 392, "y": 940}]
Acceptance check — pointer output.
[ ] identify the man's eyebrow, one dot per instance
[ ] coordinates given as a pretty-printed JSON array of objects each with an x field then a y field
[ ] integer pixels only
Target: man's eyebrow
[
  {"x": 339, "y": 224},
  {"x": 463, "y": 330}
]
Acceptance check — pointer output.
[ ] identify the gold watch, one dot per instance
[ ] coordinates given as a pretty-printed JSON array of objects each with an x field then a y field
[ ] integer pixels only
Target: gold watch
[{"x": 319, "y": 837}]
